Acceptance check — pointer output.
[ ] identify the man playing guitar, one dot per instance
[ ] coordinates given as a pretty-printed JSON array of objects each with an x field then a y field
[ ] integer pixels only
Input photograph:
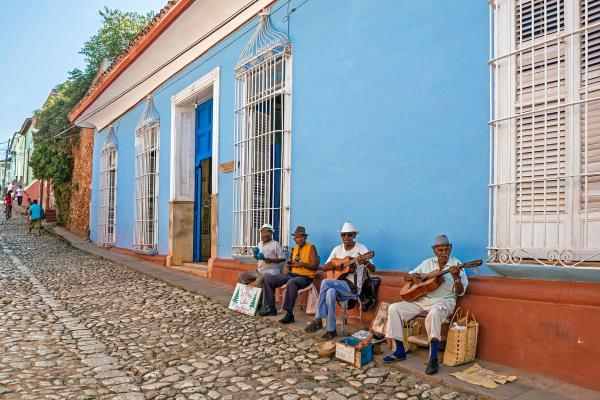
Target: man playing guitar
[
  {"x": 346, "y": 287},
  {"x": 438, "y": 304}
]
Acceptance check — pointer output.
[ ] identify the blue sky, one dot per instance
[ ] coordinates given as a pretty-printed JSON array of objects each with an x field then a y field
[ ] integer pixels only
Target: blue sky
[{"x": 39, "y": 44}]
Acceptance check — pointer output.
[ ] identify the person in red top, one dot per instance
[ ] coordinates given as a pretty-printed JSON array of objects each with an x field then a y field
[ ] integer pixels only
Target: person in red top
[
  {"x": 8, "y": 204},
  {"x": 8, "y": 198}
]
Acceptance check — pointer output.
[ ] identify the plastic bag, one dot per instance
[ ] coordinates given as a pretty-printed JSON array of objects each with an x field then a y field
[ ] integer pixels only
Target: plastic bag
[{"x": 312, "y": 301}]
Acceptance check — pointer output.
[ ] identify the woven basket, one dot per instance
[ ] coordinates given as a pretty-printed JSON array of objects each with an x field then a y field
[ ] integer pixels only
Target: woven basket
[
  {"x": 461, "y": 342},
  {"x": 326, "y": 349}
]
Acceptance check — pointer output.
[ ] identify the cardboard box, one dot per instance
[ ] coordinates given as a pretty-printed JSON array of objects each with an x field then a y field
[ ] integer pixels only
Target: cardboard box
[{"x": 346, "y": 351}]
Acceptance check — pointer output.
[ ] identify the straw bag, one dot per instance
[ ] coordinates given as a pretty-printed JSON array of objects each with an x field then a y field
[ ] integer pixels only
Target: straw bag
[{"x": 461, "y": 341}]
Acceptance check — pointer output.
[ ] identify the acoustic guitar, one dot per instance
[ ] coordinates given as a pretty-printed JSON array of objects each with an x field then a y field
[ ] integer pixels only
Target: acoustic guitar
[
  {"x": 430, "y": 282},
  {"x": 343, "y": 266}
]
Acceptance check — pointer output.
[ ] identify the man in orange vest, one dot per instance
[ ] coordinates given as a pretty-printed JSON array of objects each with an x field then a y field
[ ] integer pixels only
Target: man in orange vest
[{"x": 302, "y": 268}]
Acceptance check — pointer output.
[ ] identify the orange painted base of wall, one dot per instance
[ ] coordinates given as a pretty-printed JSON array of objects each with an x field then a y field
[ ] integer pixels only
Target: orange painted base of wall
[
  {"x": 159, "y": 259},
  {"x": 544, "y": 327}
]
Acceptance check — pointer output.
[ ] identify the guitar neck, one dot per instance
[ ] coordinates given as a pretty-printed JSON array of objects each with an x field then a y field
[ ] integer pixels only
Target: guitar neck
[{"x": 470, "y": 264}]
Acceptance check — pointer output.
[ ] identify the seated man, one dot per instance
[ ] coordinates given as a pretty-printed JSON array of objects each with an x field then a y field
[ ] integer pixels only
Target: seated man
[
  {"x": 302, "y": 267},
  {"x": 333, "y": 290},
  {"x": 270, "y": 258},
  {"x": 439, "y": 304}
]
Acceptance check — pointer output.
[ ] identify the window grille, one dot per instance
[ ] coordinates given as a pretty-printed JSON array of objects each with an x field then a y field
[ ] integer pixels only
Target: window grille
[
  {"x": 146, "y": 180},
  {"x": 262, "y": 138},
  {"x": 108, "y": 186},
  {"x": 545, "y": 132}
]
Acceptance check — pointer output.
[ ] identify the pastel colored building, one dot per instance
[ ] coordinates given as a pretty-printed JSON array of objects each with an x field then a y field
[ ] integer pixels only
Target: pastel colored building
[
  {"x": 407, "y": 118},
  {"x": 17, "y": 152}
]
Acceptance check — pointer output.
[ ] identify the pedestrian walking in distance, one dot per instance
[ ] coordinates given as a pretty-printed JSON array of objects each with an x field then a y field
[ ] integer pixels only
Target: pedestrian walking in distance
[
  {"x": 20, "y": 195},
  {"x": 35, "y": 217}
]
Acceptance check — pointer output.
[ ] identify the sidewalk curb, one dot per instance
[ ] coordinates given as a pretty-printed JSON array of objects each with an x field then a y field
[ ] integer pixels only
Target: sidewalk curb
[
  {"x": 529, "y": 386},
  {"x": 272, "y": 322}
]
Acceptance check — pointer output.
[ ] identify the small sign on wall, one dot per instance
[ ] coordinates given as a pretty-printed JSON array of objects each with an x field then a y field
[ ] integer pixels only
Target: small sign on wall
[
  {"x": 227, "y": 167},
  {"x": 245, "y": 299}
]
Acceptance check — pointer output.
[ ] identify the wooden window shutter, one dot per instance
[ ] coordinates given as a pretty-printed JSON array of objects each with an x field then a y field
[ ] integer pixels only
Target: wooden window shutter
[
  {"x": 590, "y": 110},
  {"x": 540, "y": 120}
]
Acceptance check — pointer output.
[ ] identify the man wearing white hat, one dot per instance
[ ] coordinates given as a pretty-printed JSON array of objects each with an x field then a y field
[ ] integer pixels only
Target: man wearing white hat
[
  {"x": 438, "y": 304},
  {"x": 270, "y": 258},
  {"x": 333, "y": 290}
]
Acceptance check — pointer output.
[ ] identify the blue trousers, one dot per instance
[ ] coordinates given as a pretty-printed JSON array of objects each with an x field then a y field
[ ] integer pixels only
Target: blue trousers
[{"x": 332, "y": 290}]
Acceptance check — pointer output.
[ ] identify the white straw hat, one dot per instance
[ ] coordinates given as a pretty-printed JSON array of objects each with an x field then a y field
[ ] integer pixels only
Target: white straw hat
[
  {"x": 348, "y": 227},
  {"x": 267, "y": 226}
]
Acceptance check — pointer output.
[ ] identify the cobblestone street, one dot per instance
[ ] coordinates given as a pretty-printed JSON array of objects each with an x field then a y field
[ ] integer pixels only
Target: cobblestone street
[{"x": 75, "y": 326}]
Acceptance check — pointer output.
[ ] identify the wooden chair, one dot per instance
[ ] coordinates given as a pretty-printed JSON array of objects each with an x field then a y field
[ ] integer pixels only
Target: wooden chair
[
  {"x": 298, "y": 300},
  {"x": 344, "y": 313}
]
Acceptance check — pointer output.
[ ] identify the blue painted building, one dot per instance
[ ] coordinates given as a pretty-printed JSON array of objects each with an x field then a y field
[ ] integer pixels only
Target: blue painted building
[
  {"x": 381, "y": 120},
  {"x": 405, "y": 117}
]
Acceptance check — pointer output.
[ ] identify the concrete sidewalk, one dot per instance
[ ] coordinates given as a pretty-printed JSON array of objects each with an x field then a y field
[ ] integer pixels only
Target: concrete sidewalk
[{"x": 526, "y": 387}]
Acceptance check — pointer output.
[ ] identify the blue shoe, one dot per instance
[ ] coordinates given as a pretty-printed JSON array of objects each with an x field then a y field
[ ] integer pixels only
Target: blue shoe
[{"x": 393, "y": 358}]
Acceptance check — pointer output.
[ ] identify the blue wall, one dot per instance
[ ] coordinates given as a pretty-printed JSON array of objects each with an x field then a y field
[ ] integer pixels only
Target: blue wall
[{"x": 390, "y": 104}]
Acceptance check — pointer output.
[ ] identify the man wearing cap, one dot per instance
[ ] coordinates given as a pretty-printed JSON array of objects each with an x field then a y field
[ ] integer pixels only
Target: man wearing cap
[
  {"x": 270, "y": 258},
  {"x": 438, "y": 304},
  {"x": 302, "y": 266},
  {"x": 333, "y": 290}
]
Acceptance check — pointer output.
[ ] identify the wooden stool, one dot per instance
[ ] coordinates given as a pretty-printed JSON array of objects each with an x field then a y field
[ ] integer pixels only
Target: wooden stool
[{"x": 419, "y": 338}]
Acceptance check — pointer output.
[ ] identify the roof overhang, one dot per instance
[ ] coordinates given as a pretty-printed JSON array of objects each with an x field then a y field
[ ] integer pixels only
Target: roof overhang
[
  {"x": 173, "y": 43},
  {"x": 26, "y": 125}
]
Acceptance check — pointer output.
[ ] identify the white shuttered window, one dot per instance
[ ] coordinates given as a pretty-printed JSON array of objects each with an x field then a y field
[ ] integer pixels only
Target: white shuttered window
[
  {"x": 545, "y": 132},
  {"x": 146, "y": 180},
  {"x": 108, "y": 188},
  {"x": 262, "y": 138}
]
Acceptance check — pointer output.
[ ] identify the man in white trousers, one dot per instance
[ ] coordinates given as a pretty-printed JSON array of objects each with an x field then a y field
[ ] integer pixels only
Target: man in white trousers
[{"x": 438, "y": 304}]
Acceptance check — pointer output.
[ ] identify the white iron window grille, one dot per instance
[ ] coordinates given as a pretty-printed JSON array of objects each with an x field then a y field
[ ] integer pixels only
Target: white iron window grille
[
  {"x": 108, "y": 187},
  {"x": 262, "y": 138},
  {"x": 146, "y": 180},
  {"x": 545, "y": 132}
]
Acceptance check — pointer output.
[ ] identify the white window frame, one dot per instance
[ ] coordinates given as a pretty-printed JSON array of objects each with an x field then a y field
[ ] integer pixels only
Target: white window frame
[
  {"x": 108, "y": 190},
  {"x": 569, "y": 237},
  {"x": 263, "y": 82},
  {"x": 147, "y": 162}
]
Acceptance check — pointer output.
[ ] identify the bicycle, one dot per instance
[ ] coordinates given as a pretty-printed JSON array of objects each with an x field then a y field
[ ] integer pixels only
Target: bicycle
[{"x": 8, "y": 211}]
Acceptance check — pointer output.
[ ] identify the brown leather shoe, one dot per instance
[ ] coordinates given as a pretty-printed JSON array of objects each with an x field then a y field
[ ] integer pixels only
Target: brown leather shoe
[{"x": 314, "y": 326}]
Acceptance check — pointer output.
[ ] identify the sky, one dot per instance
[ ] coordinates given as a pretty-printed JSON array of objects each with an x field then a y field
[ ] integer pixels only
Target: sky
[{"x": 39, "y": 43}]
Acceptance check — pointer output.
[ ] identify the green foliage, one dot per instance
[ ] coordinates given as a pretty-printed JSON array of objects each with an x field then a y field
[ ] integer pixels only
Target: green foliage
[
  {"x": 51, "y": 158},
  {"x": 62, "y": 195},
  {"x": 117, "y": 32}
]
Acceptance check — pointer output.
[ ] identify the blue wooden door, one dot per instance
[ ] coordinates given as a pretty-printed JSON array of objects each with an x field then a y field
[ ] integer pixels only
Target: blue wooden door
[{"x": 203, "y": 152}]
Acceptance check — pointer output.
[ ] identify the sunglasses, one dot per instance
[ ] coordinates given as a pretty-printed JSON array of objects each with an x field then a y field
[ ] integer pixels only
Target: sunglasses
[{"x": 347, "y": 234}]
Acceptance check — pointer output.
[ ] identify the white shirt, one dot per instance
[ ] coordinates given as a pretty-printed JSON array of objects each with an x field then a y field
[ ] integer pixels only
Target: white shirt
[
  {"x": 273, "y": 250},
  {"x": 340, "y": 252},
  {"x": 19, "y": 192},
  {"x": 446, "y": 290}
]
